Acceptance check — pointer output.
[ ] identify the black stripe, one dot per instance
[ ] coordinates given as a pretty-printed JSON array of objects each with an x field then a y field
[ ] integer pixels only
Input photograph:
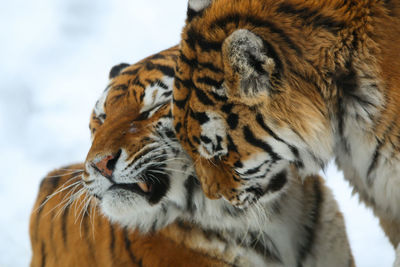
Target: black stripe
[
  {"x": 43, "y": 253},
  {"x": 178, "y": 127},
  {"x": 157, "y": 56},
  {"x": 256, "y": 64},
  {"x": 271, "y": 52},
  {"x": 48, "y": 185},
  {"x": 277, "y": 182},
  {"x": 217, "y": 97},
  {"x": 254, "y": 169},
  {"x": 115, "y": 70},
  {"x": 265, "y": 246},
  {"x": 373, "y": 163},
  {"x": 203, "y": 98},
  {"x": 127, "y": 243},
  {"x": 221, "y": 22},
  {"x": 194, "y": 38},
  {"x": 231, "y": 146},
  {"x": 136, "y": 81},
  {"x": 181, "y": 104},
  {"x": 312, "y": 226},
  {"x": 51, "y": 233},
  {"x": 249, "y": 137},
  {"x": 166, "y": 70},
  {"x": 54, "y": 181},
  {"x": 209, "y": 81},
  {"x": 209, "y": 66},
  {"x": 201, "y": 117},
  {"x": 38, "y": 217},
  {"x": 232, "y": 120},
  {"x": 64, "y": 225},
  {"x": 311, "y": 17},
  {"x": 167, "y": 94},
  {"x": 87, "y": 233},
  {"x": 294, "y": 150},
  {"x": 131, "y": 72},
  {"x": 376, "y": 155},
  {"x": 227, "y": 108},
  {"x": 158, "y": 83},
  {"x": 201, "y": 65},
  {"x": 190, "y": 184},
  {"x": 112, "y": 242}
]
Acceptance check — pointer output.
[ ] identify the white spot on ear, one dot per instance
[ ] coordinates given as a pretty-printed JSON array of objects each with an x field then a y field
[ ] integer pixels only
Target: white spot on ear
[{"x": 198, "y": 5}]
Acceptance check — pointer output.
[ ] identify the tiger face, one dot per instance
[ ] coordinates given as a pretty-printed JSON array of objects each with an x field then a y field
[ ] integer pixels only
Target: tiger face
[
  {"x": 250, "y": 93},
  {"x": 131, "y": 161}
]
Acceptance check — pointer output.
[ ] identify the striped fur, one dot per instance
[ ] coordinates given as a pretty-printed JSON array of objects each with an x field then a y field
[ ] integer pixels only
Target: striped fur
[
  {"x": 66, "y": 226},
  {"x": 144, "y": 180},
  {"x": 72, "y": 234},
  {"x": 294, "y": 83}
]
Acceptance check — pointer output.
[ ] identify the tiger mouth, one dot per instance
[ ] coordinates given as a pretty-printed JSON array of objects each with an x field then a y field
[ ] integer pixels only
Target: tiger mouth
[
  {"x": 142, "y": 188},
  {"x": 152, "y": 189}
]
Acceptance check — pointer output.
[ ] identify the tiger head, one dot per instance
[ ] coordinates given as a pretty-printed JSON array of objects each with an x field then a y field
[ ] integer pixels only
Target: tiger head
[
  {"x": 133, "y": 145},
  {"x": 142, "y": 177},
  {"x": 248, "y": 100}
]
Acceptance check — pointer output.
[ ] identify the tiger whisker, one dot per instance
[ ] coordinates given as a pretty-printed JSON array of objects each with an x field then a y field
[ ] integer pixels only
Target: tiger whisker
[
  {"x": 61, "y": 189},
  {"x": 64, "y": 174}
]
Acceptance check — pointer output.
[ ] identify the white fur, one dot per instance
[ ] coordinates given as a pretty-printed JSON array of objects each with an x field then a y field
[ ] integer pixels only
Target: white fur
[
  {"x": 154, "y": 95},
  {"x": 213, "y": 128},
  {"x": 198, "y": 5}
]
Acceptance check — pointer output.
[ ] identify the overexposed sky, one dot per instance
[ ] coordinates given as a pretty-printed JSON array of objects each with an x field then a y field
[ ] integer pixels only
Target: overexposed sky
[{"x": 55, "y": 56}]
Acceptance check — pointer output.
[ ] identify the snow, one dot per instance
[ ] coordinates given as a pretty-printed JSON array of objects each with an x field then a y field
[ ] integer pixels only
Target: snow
[{"x": 55, "y": 57}]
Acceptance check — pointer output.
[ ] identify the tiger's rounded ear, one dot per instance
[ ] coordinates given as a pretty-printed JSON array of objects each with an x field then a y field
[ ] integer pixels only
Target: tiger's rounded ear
[
  {"x": 247, "y": 64},
  {"x": 199, "y": 5},
  {"x": 117, "y": 70},
  {"x": 196, "y": 7}
]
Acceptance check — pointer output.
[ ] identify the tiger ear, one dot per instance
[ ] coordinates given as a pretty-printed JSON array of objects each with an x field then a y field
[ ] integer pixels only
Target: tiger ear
[
  {"x": 199, "y": 5},
  {"x": 196, "y": 7},
  {"x": 247, "y": 65},
  {"x": 116, "y": 70}
]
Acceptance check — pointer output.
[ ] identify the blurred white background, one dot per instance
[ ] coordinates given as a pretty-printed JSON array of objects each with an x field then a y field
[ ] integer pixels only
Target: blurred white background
[{"x": 55, "y": 56}]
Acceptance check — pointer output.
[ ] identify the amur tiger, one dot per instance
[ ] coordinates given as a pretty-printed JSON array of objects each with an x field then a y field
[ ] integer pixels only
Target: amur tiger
[
  {"x": 143, "y": 180},
  {"x": 266, "y": 84}
]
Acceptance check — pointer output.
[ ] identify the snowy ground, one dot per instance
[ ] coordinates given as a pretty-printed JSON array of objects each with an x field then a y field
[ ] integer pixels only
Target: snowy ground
[{"x": 55, "y": 57}]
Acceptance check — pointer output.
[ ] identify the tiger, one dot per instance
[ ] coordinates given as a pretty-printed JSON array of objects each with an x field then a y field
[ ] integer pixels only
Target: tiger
[
  {"x": 67, "y": 229},
  {"x": 144, "y": 180},
  {"x": 265, "y": 84}
]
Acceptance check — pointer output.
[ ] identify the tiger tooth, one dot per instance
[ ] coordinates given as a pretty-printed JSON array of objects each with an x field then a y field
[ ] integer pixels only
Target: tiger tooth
[{"x": 144, "y": 187}]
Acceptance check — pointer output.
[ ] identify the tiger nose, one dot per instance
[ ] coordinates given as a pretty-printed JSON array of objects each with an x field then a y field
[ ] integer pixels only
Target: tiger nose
[{"x": 106, "y": 165}]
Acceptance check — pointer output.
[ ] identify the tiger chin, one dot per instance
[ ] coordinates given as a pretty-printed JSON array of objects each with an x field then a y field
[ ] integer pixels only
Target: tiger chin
[
  {"x": 292, "y": 82},
  {"x": 143, "y": 179}
]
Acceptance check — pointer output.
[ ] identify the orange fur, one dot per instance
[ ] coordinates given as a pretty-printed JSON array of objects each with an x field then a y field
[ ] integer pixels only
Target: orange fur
[
  {"x": 335, "y": 69},
  {"x": 65, "y": 234},
  {"x": 72, "y": 234}
]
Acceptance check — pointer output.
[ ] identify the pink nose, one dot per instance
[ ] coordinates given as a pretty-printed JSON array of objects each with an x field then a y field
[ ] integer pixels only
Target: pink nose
[{"x": 106, "y": 165}]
